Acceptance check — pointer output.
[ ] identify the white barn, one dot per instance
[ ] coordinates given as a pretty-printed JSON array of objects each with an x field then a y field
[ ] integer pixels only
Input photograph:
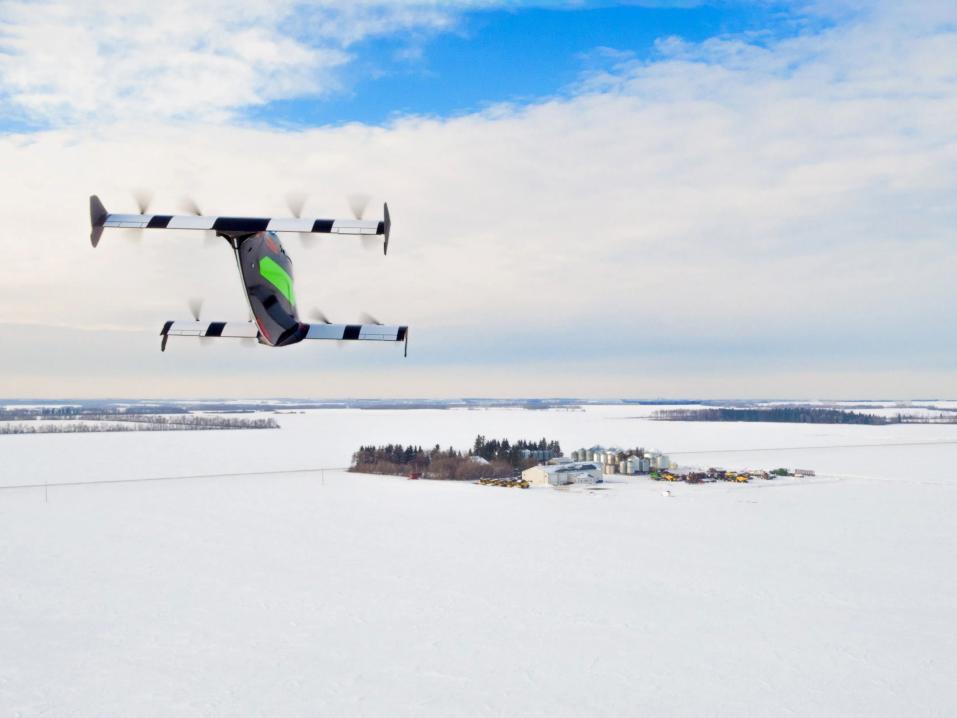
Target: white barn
[{"x": 575, "y": 473}]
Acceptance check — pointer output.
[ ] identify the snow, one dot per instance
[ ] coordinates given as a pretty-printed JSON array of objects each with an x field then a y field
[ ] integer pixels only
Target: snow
[{"x": 326, "y": 593}]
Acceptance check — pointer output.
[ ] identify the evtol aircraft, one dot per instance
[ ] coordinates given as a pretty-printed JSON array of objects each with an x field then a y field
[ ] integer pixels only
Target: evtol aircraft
[{"x": 266, "y": 273}]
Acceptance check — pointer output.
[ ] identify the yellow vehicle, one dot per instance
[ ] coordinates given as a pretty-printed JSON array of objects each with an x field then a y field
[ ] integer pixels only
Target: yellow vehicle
[{"x": 742, "y": 478}]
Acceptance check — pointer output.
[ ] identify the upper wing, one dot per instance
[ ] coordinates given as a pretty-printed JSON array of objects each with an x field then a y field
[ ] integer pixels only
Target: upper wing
[{"x": 100, "y": 218}]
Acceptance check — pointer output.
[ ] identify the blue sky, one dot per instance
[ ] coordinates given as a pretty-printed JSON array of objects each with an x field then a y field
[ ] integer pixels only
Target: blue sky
[
  {"x": 299, "y": 64},
  {"x": 515, "y": 56}
]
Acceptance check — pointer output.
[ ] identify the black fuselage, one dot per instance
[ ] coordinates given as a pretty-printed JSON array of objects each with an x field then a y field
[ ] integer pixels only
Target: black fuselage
[{"x": 267, "y": 277}]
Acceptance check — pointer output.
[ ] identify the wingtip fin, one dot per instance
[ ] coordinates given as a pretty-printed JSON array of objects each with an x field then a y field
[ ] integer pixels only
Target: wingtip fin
[
  {"x": 98, "y": 215},
  {"x": 387, "y": 227}
]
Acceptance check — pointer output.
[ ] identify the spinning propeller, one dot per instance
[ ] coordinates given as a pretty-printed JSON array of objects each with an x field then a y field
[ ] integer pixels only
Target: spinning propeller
[
  {"x": 296, "y": 201},
  {"x": 318, "y": 316},
  {"x": 195, "y": 307},
  {"x": 189, "y": 205},
  {"x": 143, "y": 198},
  {"x": 358, "y": 203}
]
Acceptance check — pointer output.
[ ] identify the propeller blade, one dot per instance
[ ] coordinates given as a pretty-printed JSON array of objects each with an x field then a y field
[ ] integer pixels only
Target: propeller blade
[
  {"x": 143, "y": 199},
  {"x": 358, "y": 203},
  {"x": 195, "y": 307},
  {"x": 319, "y": 316},
  {"x": 188, "y": 204},
  {"x": 296, "y": 201},
  {"x": 370, "y": 242},
  {"x": 369, "y": 319}
]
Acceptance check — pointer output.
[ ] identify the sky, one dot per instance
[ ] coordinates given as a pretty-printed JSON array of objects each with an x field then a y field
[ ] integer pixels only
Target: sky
[{"x": 645, "y": 199}]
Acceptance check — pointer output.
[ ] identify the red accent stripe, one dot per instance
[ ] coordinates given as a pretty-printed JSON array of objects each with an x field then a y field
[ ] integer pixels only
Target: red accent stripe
[{"x": 263, "y": 331}]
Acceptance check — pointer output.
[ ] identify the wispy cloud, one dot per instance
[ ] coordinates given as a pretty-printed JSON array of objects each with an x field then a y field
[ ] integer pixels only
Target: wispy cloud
[{"x": 67, "y": 62}]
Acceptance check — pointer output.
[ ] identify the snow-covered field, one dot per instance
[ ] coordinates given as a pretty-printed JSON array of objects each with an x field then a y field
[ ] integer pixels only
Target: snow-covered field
[{"x": 321, "y": 593}]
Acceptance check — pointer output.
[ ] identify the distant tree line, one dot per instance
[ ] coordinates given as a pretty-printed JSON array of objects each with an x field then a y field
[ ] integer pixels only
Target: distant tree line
[
  {"x": 81, "y": 412},
  {"x": 119, "y": 412},
  {"x": 486, "y": 459},
  {"x": 110, "y": 423},
  {"x": 796, "y": 415}
]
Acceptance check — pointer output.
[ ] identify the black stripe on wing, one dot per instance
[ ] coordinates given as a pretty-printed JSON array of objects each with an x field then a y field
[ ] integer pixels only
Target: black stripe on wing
[
  {"x": 241, "y": 224},
  {"x": 159, "y": 221}
]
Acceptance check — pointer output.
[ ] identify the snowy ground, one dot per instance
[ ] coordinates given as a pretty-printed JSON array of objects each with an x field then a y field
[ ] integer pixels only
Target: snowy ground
[{"x": 322, "y": 593}]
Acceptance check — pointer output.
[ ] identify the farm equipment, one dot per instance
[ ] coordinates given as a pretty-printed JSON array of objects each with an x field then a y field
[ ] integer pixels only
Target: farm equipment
[{"x": 508, "y": 483}]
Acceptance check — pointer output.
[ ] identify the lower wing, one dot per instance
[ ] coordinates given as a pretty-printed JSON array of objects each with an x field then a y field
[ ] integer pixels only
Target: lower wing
[
  {"x": 248, "y": 330},
  {"x": 360, "y": 332},
  {"x": 229, "y": 330}
]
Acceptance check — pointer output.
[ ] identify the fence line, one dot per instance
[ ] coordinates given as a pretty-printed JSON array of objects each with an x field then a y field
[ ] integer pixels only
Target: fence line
[{"x": 234, "y": 474}]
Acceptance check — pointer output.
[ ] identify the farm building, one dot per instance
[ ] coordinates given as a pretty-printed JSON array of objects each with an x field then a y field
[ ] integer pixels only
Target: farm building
[
  {"x": 574, "y": 473},
  {"x": 537, "y": 454}
]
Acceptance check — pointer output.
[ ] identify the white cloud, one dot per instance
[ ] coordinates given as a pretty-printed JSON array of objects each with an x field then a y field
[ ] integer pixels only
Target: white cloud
[
  {"x": 96, "y": 61},
  {"x": 64, "y": 62},
  {"x": 723, "y": 212}
]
